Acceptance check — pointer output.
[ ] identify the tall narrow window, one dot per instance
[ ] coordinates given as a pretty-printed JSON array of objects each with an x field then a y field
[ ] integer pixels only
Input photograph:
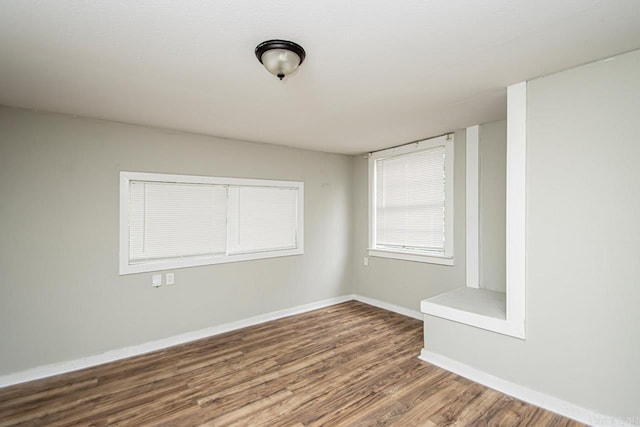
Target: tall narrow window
[
  {"x": 411, "y": 202},
  {"x": 173, "y": 221}
]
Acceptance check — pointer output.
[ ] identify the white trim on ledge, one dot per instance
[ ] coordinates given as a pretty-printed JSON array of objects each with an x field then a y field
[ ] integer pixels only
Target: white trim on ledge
[
  {"x": 136, "y": 350},
  {"x": 494, "y": 324},
  {"x": 537, "y": 398}
]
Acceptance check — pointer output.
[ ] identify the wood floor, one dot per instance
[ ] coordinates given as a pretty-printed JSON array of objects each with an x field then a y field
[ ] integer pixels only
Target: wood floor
[{"x": 346, "y": 365}]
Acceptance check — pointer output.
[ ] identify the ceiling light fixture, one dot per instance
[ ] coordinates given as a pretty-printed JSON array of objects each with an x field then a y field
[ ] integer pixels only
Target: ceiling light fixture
[{"x": 280, "y": 57}]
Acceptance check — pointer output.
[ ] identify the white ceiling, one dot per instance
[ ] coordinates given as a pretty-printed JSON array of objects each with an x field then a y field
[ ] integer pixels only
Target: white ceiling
[{"x": 378, "y": 73}]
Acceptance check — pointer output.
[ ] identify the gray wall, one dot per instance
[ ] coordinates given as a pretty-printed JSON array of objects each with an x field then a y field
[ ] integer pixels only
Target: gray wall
[
  {"x": 583, "y": 235},
  {"x": 405, "y": 283},
  {"x": 61, "y": 297},
  {"x": 493, "y": 190}
]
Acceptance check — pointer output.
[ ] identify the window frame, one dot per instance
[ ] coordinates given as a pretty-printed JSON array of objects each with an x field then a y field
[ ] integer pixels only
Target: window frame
[
  {"x": 447, "y": 141},
  {"x": 168, "y": 264}
]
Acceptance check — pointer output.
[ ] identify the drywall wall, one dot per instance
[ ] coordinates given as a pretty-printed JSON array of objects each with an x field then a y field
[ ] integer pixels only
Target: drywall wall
[
  {"x": 61, "y": 297},
  {"x": 583, "y": 234},
  {"x": 493, "y": 208},
  {"x": 405, "y": 283}
]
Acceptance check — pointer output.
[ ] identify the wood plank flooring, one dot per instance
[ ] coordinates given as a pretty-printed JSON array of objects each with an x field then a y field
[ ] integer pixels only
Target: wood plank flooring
[{"x": 345, "y": 365}]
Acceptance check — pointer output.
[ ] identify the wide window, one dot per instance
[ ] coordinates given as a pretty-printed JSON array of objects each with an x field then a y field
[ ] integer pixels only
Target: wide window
[
  {"x": 173, "y": 221},
  {"x": 411, "y": 202}
]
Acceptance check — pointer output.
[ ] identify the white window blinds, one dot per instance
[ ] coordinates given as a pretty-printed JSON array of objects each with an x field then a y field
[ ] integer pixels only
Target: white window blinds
[
  {"x": 410, "y": 201},
  {"x": 262, "y": 218},
  {"x": 169, "y": 220}
]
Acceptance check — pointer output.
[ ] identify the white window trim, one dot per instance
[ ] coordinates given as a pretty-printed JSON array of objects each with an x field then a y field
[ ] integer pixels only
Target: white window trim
[
  {"x": 447, "y": 259},
  {"x": 472, "y": 190},
  {"x": 126, "y": 177}
]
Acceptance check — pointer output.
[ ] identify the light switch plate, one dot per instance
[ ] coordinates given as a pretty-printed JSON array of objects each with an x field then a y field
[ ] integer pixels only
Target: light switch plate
[
  {"x": 156, "y": 280},
  {"x": 170, "y": 278},
  {"x": 365, "y": 261}
]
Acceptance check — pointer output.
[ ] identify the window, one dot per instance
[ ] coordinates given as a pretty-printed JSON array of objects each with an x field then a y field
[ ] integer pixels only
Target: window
[
  {"x": 411, "y": 202},
  {"x": 174, "y": 221}
]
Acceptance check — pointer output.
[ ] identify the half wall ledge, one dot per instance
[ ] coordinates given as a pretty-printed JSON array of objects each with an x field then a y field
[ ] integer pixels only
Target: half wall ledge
[{"x": 481, "y": 308}]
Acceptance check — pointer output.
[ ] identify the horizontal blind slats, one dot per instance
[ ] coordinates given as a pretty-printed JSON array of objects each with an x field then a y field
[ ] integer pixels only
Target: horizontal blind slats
[
  {"x": 262, "y": 218},
  {"x": 410, "y": 201},
  {"x": 169, "y": 220}
]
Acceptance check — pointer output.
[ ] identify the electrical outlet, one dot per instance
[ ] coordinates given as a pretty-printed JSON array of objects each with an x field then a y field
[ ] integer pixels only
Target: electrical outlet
[
  {"x": 365, "y": 261},
  {"x": 170, "y": 278},
  {"x": 156, "y": 280}
]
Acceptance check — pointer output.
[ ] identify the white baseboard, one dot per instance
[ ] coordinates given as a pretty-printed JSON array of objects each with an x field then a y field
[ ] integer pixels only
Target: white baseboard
[
  {"x": 390, "y": 307},
  {"x": 537, "y": 398},
  {"x": 113, "y": 355}
]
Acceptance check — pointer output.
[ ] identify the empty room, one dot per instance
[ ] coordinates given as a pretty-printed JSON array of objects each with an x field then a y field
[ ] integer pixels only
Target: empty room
[{"x": 296, "y": 213}]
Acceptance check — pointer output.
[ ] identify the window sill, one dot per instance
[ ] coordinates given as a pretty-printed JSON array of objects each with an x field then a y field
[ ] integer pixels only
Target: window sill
[
  {"x": 431, "y": 259},
  {"x": 480, "y": 308},
  {"x": 173, "y": 264}
]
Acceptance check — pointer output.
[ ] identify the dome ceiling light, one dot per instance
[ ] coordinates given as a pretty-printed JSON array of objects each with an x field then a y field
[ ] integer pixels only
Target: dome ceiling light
[{"x": 280, "y": 57}]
